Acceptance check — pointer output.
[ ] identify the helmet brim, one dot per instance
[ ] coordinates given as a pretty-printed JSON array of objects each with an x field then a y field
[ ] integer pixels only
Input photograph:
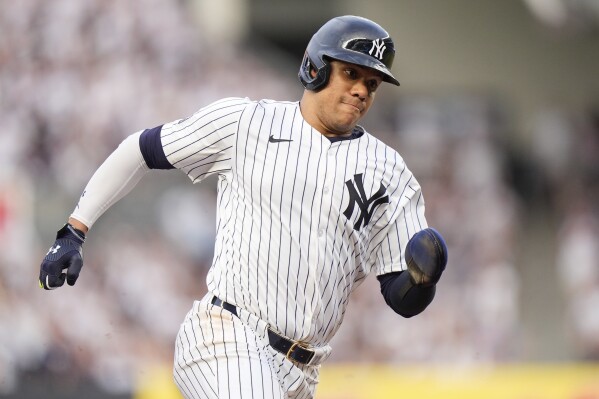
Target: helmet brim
[{"x": 364, "y": 61}]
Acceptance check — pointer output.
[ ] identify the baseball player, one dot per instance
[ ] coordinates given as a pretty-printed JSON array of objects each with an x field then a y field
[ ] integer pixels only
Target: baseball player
[{"x": 309, "y": 204}]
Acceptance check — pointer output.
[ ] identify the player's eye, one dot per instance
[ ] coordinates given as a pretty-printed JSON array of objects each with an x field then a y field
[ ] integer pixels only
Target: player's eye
[
  {"x": 373, "y": 85},
  {"x": 351, "y": 73}
]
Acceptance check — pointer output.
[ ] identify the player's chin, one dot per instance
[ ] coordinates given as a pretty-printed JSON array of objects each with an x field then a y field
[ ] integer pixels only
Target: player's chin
[{"x": 348, "y": 121}]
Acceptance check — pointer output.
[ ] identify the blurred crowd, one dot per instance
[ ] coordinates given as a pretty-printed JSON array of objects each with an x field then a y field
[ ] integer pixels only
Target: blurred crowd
[
  {"x": 566, "y": 149},
  {"x": 77, "y": 77}
]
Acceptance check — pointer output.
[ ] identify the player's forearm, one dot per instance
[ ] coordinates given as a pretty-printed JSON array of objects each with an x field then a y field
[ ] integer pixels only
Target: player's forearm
[{"x": 114, "y": 179}]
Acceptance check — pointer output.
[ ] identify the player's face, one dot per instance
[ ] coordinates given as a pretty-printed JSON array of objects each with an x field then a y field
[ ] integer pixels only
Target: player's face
[{"x": 345, "y": 99}]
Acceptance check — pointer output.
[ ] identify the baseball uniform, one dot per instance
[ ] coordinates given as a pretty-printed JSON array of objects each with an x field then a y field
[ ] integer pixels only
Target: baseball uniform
[{"x": 302, "y": 220}]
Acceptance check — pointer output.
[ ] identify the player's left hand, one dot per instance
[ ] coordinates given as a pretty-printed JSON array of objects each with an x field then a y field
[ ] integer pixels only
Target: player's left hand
[
  {"x": 66, "y": 253},
  {"x": 426, "y": 257}
]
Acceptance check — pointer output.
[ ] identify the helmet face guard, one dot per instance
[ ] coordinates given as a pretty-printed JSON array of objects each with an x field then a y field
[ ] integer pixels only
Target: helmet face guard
[{"x": 351, "y": 39}]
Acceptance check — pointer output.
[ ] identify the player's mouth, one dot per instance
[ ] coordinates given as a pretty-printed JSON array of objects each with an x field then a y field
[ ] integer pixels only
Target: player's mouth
[{"x": 354, "y": 106}]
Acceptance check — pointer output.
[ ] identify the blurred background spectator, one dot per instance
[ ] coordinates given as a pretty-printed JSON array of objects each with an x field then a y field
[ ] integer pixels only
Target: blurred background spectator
[{"x": 500, "y": 125}]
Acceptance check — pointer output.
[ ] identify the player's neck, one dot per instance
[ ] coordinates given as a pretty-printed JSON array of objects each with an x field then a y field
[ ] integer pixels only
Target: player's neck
[{"x": 311, "y": 117}]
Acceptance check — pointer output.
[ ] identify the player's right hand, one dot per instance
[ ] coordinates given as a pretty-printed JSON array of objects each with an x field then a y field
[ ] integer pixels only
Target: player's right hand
[{"x": 64, "y": 259}]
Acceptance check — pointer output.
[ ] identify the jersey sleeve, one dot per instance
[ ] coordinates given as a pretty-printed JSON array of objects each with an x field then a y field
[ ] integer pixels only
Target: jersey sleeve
[
  {"x": 389, "y": 256},
  {"x": 203, "y": 144}
]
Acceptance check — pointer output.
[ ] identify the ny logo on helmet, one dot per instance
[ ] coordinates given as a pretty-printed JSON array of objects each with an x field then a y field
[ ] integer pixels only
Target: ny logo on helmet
[
  {"x": 378, "y": 48},
  {"x": 366, "y": 206}
]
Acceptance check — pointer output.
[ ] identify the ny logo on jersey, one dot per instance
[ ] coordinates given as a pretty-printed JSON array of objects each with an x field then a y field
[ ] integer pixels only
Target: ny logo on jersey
[
  {"x": 366, "y": 205},
  {"x": 378, "y": 48}
]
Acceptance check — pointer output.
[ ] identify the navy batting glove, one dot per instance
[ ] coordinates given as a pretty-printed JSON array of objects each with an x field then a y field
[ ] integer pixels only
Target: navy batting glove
[
  {"x": 66, "y": 253},
  {"x": 426, "y": 257}
]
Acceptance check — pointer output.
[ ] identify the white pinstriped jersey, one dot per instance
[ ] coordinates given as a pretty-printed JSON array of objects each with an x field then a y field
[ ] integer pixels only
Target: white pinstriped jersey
[{"x": 301, "y": 220}]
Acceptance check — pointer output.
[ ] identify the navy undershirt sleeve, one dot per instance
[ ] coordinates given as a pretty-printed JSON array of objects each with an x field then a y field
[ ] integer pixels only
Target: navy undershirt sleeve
[{"x": 151, "y": 149}]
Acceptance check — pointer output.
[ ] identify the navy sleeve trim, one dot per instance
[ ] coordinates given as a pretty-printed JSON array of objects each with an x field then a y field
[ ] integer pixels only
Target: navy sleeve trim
[{"x": 151, "y": 149}]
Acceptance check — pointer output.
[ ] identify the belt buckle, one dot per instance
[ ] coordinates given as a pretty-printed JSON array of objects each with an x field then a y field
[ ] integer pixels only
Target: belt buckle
[{"x": 295, "y": 344}]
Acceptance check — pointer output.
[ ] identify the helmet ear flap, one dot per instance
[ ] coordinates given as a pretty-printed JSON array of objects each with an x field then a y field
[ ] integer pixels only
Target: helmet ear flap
[{"x": 310, "y": 82}]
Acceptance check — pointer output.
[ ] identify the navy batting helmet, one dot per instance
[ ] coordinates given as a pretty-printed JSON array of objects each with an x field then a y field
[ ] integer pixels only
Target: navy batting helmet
[{"x": 352, "y": 39}]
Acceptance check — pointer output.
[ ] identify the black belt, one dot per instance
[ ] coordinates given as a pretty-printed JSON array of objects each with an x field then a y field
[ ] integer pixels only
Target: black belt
[{"x": 293, "y": 350}]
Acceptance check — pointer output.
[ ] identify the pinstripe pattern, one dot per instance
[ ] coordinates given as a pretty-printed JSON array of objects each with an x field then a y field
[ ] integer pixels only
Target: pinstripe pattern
[
  {"x": 217, "y": 355},
  {"x": 284, "y": 249}
]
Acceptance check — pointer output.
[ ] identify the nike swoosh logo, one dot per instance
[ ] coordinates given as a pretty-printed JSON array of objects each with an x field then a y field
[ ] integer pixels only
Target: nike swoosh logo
[{"x": 271, "y": 139}]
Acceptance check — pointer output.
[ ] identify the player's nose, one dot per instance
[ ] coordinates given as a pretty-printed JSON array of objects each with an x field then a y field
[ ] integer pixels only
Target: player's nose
[{"x": 360, "y": 90}]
